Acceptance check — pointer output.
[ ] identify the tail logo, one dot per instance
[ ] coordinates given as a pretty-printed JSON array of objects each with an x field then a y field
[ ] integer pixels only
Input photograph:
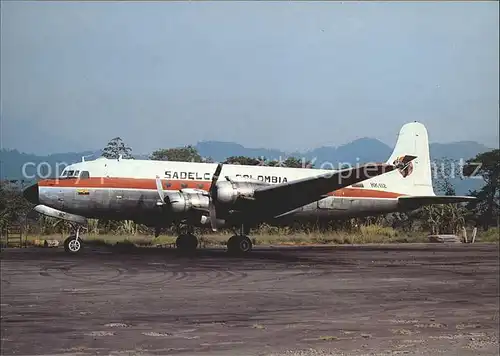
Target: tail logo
[{"x": 404, "y": 168}]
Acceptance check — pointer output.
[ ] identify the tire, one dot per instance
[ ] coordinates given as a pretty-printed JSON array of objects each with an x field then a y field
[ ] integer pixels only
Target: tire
[
  {"x": 73, "y": 245},
  {"x": 186, "y": 243},
  {"x": 239, "y": 245}
]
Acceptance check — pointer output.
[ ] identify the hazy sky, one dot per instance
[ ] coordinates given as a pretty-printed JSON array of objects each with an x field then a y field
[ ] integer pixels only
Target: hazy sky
[{"x": 288, "y": 75}]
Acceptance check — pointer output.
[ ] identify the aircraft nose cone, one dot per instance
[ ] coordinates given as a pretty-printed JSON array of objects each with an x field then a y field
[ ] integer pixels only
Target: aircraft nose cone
[{"x": 31, "y": 194}]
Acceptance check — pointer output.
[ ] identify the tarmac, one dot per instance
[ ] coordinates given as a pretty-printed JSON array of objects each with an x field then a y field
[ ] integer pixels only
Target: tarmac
[{"x": 408, "y": 299}]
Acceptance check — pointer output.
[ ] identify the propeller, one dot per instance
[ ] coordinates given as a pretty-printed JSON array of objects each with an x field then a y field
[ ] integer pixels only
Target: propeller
[{"x": 212, "y": 213}]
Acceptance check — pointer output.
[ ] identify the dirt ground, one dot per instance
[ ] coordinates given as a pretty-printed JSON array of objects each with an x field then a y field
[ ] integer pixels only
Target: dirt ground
[{"x": 411, "y": 299}]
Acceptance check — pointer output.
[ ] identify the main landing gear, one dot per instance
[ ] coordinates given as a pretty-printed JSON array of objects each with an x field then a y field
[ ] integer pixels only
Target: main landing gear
[
  {"x": 73, "y": 244},
  {"x": 186, "y": 243},
  {"x": 240, "y": 244}
]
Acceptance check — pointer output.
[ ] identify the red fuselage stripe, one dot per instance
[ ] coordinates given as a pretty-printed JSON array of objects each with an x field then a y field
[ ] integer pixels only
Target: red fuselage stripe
[{"x": 137, "y": 183}]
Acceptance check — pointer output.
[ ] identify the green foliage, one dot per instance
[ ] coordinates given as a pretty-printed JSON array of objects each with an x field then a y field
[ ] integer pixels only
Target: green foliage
[
  {"x": 487, "y": 208},
  {"x": 243, "y": 160},
  {"x": 180, "y": 154},
  {"x": 443, "y": 171},
  {"x": 444, "y": 218},
  {"x": 291, "y": 162},
  {"x": 190, "y": 154},
  {"x": 13, "y": 207},
  {"x": 115, "y": 148},
  {"x": 491, "y": 235},
  {"x": 376, "y": 229}
]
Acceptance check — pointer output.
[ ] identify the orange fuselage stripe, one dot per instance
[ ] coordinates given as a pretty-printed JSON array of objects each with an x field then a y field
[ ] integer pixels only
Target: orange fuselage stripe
[{"x": 137, "y": 183}]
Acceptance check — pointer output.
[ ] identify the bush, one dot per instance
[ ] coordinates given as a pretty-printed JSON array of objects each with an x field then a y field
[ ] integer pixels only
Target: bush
[
  {"x": 380, "y": 230},
  {"x": 492, "y": 235}
]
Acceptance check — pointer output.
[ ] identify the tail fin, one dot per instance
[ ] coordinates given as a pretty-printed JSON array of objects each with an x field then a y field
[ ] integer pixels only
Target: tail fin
[{"x": 415, "y": 178}]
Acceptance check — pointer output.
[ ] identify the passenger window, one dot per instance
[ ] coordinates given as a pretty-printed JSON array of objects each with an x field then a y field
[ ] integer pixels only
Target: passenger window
[
  {"x": 184, "y": 185},
  {"x": 85, "y": 175}
]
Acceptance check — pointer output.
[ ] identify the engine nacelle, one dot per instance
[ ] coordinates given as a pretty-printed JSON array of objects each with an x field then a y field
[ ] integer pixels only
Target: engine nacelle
[
  {"x": 229, "y": 192},
  {"x": 181, "y": 202}
]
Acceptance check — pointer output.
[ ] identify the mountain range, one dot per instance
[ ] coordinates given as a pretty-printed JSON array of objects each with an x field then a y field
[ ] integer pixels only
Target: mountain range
[{"x": 360, "y": 150}]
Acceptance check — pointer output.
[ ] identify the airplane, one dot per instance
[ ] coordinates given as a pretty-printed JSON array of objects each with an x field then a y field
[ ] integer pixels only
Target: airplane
[{"x": 160, "y": 194}]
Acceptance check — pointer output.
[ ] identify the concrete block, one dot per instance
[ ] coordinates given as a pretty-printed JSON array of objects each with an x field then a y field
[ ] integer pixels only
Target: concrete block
[{"x": 444, "y": 239}]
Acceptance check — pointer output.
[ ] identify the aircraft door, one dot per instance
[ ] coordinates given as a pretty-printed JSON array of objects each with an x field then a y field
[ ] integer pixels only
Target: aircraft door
[
  {"x": 61, "y": 197},
  {"x": 116, "y": 200}
]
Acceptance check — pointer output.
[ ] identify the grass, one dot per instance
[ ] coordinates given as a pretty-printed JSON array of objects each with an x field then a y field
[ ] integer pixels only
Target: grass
[
  {"x": 371, "y": 234},
  {"x": 492, "y": 235}
]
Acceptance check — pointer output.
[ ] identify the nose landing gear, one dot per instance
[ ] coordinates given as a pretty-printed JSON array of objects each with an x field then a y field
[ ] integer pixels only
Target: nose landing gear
[{"x": 74, "y": 244}]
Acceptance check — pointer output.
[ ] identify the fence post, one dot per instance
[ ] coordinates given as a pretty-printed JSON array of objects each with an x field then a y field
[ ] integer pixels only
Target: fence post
[{"x": 474, "y": 233}]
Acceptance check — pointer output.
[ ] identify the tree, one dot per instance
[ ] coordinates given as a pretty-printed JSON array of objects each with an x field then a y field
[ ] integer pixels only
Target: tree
[
  {"x": 443, "y": 171},
  {"x": 13, "y": 207},
  {"x": 179, "y": 154},
  {"x": 243, "y": 160},
  {"x": 443, "y": 218},
  {"x": 291, "y": 162},
  {"x": 487, "y": 165},
  {"x": 115, "y": 148}
]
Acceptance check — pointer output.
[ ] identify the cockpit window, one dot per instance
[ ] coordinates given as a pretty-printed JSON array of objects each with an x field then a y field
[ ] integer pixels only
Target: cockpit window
[
  {"x": 85, "y": 175},
  {"x": 69, "y": 173}
]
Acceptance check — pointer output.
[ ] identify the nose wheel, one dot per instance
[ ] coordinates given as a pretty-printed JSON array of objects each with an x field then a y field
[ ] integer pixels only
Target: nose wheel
[{"x": 73, "y": 244}]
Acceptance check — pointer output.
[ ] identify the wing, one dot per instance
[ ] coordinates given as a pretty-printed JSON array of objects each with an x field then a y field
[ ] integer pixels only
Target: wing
[
  {"x": 270, "y": 201},
  {"x": 415, "y": 202}
]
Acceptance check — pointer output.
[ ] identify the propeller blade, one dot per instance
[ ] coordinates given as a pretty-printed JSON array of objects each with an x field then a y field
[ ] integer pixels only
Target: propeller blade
[
  {"x": 215, "y": 177},
  {"x": 212, "y": 213},
  {"x": 159, "y": 188}
]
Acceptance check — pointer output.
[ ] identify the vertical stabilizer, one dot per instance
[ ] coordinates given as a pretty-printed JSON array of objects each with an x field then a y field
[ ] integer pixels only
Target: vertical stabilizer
[{"x": 416, "y": 177}]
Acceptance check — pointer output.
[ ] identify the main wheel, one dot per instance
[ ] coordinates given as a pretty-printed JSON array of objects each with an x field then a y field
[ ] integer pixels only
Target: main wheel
[
  {"x": 239, "y": 245},
  {"x": 186, "y": 243},
  {"x": 72, "y": 244}
]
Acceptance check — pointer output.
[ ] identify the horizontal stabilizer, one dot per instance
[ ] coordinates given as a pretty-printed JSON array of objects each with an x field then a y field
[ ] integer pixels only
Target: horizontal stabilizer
[{"x": 413, "y": 202}]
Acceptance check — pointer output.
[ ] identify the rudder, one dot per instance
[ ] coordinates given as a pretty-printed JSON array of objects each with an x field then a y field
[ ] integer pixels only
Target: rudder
[{"x": 416, "y": 177}]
